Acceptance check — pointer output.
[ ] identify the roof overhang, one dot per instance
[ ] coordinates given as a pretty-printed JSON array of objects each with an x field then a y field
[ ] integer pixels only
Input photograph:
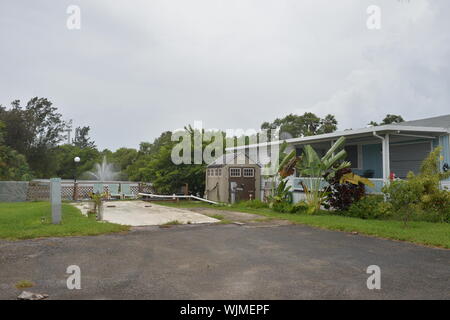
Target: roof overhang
[{"x": 413, "y": 131}]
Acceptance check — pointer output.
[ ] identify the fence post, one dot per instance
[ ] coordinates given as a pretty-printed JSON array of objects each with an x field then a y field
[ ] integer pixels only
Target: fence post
[{"x": 55, "y": 199}]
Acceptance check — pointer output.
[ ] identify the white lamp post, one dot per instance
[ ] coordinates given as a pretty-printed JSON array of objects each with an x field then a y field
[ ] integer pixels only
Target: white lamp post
[{"x": 76, "y": 160}]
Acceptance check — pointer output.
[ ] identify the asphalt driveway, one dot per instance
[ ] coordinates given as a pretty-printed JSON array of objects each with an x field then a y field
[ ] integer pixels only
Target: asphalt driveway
[{"x": 225, "y": 262}]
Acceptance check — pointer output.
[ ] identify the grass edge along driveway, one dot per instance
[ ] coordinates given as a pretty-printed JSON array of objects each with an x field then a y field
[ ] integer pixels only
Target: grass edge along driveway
[
  {"x": 425, "y": 233},
  {"x": 23, "y": 220}
]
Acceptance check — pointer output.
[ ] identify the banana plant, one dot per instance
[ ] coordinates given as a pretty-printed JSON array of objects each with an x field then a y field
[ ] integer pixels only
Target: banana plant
[
  {"x": 355, "y": 179},
  {"x": 285, "y": 169},
  {"x": 287, "y": 165},
  {"x": 281, "y": 193},
  {"x": 315, "y": 168}
]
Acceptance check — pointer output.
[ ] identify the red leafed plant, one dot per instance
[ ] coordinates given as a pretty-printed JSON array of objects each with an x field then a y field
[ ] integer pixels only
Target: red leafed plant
[{"x": 341, "y": 193}]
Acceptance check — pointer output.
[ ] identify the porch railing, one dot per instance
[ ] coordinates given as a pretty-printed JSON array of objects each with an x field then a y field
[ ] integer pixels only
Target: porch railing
[{"x": 296, "y": 184}]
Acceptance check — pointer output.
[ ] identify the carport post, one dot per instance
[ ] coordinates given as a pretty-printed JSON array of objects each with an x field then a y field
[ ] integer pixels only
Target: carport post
[
  {"x": 385, "y": 156},
  {"x": 388, "y": 158}
]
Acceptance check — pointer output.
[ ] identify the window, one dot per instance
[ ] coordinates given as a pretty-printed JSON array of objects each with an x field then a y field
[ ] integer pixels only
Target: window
[
  {"x": 235, "y": 172},
  {"x": 219, "y": 172},
  {"x": 354, "y": 156},
  {"x": 249, "y": 172},
  {"x": 208, "y": 172}
]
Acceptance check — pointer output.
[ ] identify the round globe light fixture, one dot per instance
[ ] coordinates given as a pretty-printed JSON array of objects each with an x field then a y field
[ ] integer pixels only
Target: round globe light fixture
[{"x": 76, "y": 159}]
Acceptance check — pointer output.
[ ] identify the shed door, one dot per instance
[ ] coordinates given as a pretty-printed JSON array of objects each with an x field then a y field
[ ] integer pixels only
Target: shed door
[
  {"x": 408, "y": 157},
  {"x": 242, "y": 183}
]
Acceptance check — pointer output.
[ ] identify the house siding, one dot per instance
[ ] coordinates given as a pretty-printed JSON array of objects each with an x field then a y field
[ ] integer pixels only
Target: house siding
[
  {"x": 372, "y": 160},
  {"x": 437, "y": 142},
  {"x": 444, "y": 141}
]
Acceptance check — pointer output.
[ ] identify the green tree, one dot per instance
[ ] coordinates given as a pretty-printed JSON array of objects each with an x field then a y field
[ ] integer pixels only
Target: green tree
[
  {"x": 307, "y": 124},
  {"x": 154, "y": 164},
  {"x": 82, "y": 139},
  {"x": 67, "y": 168},
  {"x": 34, "y": 131},
  {"x": 13, "y": 165},
  {"x": 389, "y": 119},
  {"x": 124, "y": 157}
]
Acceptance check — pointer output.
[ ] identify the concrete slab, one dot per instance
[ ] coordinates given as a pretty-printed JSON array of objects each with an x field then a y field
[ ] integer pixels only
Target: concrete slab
[{"x": 140, "y": 213}]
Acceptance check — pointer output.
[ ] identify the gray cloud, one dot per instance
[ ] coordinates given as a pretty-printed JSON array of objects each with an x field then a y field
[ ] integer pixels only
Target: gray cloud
[{"x": 137, "y": 68}]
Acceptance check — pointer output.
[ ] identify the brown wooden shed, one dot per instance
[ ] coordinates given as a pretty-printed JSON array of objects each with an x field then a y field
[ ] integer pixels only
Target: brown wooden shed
[{"x": 233, "y": 177}]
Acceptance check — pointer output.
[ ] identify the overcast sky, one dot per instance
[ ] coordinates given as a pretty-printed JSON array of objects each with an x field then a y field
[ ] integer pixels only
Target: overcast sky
[{"x": 138, "y": 68}]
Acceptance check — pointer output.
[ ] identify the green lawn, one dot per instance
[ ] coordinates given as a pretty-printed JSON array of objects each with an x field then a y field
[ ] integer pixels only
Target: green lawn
[
  {"x": 433, "y": 234},
  {"x": 23, "y": 221}
]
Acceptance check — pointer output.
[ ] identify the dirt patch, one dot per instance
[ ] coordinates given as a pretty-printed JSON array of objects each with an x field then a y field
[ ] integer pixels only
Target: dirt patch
[{"x": 242, "y": 218}]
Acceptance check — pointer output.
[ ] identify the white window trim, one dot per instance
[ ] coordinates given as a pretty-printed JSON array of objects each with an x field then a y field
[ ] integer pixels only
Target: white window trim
[
  {"x": 359, "y": 155},
  {"x": 236, "y": 176},
  {"x": 248, "y": 176}
]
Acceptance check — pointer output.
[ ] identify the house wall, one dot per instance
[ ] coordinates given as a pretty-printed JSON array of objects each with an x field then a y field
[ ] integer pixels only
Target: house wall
[
  {"x": 408, "y": 156},
  {"x": 444, "y": 141},
  {"x": 372, "y": 160},
  {"x": 220, "y": 193}
]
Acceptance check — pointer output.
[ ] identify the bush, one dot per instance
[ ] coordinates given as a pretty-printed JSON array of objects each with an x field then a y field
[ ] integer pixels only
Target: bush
[
  {"x": 13, "y": 165},
  {"x": 342, "y": 195},
  {"x": 303, "y": 207},
  {"x": 369, "y": 207},
  {"x": 300, "y": 207},
  {"x": 439, "y": 204},
  {"x": 420, "y": 196},
  {"x": 404, "y": 196},
  {"x": 283, "y": 207}
]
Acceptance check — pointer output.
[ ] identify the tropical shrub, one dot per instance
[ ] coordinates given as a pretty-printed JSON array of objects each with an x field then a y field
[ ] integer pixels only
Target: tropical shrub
[
  {"x": 369, "y": 207},
  {"x": 282, "y": 193},
  {"x": 312, "y": 166},
  {"x": 301, "y": 207},
  {"x": 97, "y": 199},
  {"x": 342, "y": 194},
  {"x": 420, "y": 195},
  {"x": 331, "y": 168},
  {"x": 283, "y": 207}
]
